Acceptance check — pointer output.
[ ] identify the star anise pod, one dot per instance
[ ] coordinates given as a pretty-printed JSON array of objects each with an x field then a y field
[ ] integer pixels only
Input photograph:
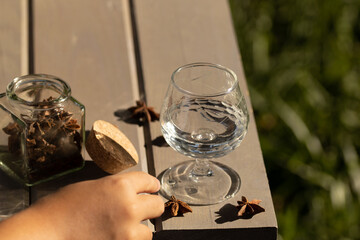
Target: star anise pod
[
  {"x": 64, "y": 116},
  {"x": 72, "y": 125},
  {"x": 177, "y": 207},
  {"x": 142, "y": 111},
  {"x": 249, "y": 209},
  {"x": 12, "y": 129},
  {"x": 32, "y": 129},
  {"x": 31, "y": 142},
  {"x": 48, "y": 148},
  {"x": 41, "y": 159}
]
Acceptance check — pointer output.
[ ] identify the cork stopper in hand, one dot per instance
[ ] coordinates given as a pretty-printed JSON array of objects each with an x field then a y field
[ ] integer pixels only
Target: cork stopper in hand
[{"x": 110, "y": 149}]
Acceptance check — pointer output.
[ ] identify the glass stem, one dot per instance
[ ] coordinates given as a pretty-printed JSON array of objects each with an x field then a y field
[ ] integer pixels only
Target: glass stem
[{"x": 202, "y": 168}]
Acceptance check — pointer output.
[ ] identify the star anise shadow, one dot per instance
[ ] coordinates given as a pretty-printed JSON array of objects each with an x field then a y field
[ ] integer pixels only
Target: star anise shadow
[
  {"x": 159, "y": 142},
  {"x": 229, "y": 213},
  {"x": 126, "y": 116}
]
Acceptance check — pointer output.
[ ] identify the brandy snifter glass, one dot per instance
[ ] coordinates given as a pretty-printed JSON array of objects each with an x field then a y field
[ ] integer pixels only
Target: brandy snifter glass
[{"x": 204, "y": 116}]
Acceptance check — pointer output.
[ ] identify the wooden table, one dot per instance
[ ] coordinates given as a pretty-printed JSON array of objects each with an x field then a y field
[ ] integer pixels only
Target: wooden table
[{"x": 114, "y": 52}]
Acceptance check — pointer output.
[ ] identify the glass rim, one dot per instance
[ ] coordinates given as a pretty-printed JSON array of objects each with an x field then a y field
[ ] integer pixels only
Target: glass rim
[
  {"x": 18, "y": 81},
  {"x": 207, "y": 64}
]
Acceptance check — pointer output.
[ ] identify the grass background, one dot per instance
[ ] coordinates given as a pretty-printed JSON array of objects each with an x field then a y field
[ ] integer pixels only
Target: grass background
[{"x": 302, "y": 64}]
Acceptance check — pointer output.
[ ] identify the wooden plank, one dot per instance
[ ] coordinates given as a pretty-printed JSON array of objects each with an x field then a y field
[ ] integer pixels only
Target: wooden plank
[
  {"x": 13, "y": 59},
  {"x": 88, "y": 43},
  {"x": 177, "y": 32}
]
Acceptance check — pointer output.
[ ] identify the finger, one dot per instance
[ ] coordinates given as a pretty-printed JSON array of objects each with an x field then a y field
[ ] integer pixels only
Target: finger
[
  {"x": 136, "y": 232},
  {"x": 151, "y": 206},
  {"x": 144, "y": 233},
  {"x": 142, "y": 182}
]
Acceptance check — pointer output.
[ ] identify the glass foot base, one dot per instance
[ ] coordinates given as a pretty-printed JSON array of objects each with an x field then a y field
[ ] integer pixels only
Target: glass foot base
[{"x": 219, "y": 184}]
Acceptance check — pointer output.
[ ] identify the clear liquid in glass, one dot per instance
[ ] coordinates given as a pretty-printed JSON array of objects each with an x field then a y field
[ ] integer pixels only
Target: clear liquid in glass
[{"x": 203, "y": 128}]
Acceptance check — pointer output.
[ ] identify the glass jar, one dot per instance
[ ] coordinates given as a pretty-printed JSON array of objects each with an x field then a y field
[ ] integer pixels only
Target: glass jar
[{"x": 42, "y": 129}]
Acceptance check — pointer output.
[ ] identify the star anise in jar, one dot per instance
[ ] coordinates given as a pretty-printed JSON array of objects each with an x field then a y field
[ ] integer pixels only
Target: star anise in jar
[
  {"x": 14, "y": 132},
  {"x": 248, "y": 209},
  {"x": 71, "y": 126},
  {"x": 177, "y": 207},
  {"x": 143, "y": 112},
  {"x": 12, "y": 129}
]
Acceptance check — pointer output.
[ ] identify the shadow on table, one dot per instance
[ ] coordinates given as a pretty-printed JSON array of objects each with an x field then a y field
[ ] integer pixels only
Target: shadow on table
[
  {"x": 227, "y": 213},
  {"x": 126, "y": 116},
  {"x": 160, "y": 142},
  {"x": 89, "y": 172},
  {"x": 218, "y": 234},
  {"x": 14, "y": 197}
]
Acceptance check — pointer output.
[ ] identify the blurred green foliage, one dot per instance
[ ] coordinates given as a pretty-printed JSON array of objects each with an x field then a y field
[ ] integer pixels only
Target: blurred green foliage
[{"x": 302, "y": 64}]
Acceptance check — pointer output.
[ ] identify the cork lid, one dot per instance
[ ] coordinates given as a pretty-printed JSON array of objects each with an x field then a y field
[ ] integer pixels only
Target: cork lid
[{"x": 109, "y": 148}]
